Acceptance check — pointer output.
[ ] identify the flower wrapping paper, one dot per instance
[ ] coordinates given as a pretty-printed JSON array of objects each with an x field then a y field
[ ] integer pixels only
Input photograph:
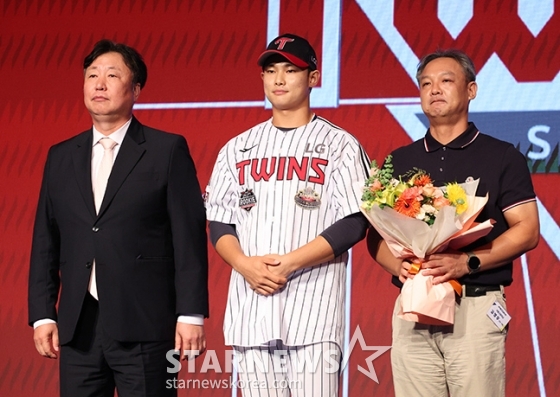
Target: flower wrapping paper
[{"x": 410, "y": 238}]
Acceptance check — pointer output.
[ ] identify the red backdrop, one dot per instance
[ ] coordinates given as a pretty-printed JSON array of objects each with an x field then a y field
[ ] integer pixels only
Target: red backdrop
[{"x": 201, "y": 56}]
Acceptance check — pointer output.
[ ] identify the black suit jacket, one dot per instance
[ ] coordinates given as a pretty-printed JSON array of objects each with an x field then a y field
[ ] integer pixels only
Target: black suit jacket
[{"x": 148, "y": 240}]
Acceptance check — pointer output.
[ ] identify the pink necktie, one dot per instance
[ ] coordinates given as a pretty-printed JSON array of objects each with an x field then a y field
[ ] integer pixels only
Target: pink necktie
[
  {"x": 99, "y": 187},
  {"x": 104, "y": 171}
]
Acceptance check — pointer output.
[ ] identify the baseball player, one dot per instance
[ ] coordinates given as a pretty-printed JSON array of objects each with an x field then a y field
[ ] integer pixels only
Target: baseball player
[{"x": 283, "y": 205}]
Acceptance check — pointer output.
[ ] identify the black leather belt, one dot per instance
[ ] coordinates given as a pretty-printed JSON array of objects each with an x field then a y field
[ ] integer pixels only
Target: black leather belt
[{"x": 479, "y": 290}]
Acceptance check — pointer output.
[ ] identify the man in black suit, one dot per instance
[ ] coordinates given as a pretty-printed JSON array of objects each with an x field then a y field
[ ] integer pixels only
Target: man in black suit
[{"x": 125, "y": 259}]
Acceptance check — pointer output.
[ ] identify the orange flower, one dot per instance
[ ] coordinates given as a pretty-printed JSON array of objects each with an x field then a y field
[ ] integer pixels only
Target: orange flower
[
  {"x": 422, "y": 180},
  {"x": 409, "y": 207},
  {"x": 375, "y": 186},
  {"x": 412, "y": 193},
  {"x": 440, "y": 202}
]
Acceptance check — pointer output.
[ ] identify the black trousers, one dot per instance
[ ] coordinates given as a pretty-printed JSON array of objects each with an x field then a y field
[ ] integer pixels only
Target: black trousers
[{"x": 93, "y": 364}]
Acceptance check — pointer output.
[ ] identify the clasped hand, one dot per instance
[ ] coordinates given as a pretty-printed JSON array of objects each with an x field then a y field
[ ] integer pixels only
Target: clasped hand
[
  {"x": 447, "y": 266},
  {"x": 265, "y": 274}
]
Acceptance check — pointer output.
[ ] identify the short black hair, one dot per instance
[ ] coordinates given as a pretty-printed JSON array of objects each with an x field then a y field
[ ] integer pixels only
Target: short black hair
[
  {"x": 132, "y": 59},
  {"x": 463, "y": 59}
]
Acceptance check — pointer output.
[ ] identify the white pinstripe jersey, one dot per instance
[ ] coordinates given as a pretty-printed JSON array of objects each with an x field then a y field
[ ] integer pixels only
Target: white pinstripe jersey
[{"x": 303, "y": 180}]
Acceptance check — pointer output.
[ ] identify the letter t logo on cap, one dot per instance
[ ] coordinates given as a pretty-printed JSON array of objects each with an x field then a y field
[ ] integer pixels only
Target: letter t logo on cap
[{"x": 282, "y": 42}]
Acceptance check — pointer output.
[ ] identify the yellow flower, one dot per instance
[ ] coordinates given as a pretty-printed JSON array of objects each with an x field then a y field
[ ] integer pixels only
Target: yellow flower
[
  {"x": 390, "y": 194},
  {"x": 457, "y": 196}
]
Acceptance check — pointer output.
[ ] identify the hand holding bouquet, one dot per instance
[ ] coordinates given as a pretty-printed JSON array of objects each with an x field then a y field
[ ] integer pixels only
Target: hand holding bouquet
[{"x": 417, "y": 219}]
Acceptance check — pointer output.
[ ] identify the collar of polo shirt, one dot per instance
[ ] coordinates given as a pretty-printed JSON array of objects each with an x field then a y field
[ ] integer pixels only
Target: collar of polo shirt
[{"x": 465, "y": 139}]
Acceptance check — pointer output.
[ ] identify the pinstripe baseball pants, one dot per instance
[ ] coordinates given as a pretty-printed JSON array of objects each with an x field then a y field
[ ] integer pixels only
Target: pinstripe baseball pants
[{"x": 283, "y": 371}]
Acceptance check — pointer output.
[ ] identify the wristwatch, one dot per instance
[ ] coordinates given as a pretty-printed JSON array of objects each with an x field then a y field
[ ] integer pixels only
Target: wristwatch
[{"x": 473, "y": 262}]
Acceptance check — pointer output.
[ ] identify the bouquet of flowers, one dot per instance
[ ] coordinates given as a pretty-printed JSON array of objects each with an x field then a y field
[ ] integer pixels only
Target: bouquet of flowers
[{"x": 417, "y": 219}]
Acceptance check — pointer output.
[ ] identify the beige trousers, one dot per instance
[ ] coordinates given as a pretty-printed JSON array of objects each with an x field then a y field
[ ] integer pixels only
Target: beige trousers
[{"x": 466, "y": 359}]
